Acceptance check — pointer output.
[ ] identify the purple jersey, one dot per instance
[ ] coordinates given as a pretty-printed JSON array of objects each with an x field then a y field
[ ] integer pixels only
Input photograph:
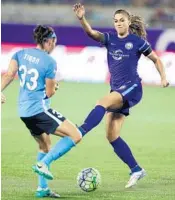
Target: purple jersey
[{"x": 123, "y": 55}]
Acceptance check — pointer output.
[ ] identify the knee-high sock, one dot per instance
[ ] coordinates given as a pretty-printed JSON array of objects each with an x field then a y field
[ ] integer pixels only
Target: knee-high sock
[
  {"x": 62, "y": 146},
  {"x": 93, "y": 119},
  {"x": 124, "y": 153},
  {"x": 42, "y": 182}
]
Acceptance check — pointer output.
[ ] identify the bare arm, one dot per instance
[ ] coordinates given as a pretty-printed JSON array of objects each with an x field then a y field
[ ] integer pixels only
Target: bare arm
[
  {"x": 8, "y": 77},
  {"x": 159, "y": 66},
  {"x": 80, "y": 13}
]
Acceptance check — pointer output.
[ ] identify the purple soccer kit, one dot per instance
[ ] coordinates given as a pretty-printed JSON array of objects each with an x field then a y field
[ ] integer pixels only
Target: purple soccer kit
[{"x": 123, "y": 55}]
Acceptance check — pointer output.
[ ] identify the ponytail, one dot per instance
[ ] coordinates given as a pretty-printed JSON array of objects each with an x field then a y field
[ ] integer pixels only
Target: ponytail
[{"x": 137, "y": 26}]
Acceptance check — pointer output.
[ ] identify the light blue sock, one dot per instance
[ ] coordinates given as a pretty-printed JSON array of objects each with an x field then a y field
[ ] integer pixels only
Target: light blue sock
[
  {"x": 42, "y": 182},
  {"x": 62, "y": 146}
]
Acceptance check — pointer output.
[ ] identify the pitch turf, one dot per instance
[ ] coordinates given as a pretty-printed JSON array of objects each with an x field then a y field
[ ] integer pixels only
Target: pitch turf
[{"x": 150, "y": 131}]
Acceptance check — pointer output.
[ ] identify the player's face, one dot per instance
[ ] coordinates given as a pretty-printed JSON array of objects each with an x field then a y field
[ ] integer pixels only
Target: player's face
[
  {"x": 51, "y": 44},
  {"x": 121, "y": 24}
]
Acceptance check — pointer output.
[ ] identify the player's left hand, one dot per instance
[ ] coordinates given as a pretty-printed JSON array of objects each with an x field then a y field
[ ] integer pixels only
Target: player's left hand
[
  {"x": 3, "y": 99},
  {"x": 164, "y": 83}
]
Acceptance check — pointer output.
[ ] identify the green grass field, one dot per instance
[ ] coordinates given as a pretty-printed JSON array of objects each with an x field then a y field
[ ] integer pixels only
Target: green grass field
[{"x": 150, "y": 131}]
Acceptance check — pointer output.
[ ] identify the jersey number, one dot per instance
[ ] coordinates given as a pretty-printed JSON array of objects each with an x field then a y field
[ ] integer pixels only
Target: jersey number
[{"x": 32, "y": 83}]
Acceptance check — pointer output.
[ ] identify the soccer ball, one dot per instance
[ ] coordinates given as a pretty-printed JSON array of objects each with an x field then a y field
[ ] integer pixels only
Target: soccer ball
[{"x": 88, "y": 179}]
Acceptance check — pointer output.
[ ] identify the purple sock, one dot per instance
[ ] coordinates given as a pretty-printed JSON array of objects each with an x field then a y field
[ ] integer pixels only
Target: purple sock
[
  {"x": 124, "y": 153},
  {"x": 93, "y": 119}
]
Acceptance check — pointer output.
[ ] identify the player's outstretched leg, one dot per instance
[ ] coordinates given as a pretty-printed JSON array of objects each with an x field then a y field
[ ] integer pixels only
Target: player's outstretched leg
[
  {"x": 93, "y": 119},
  {"x": 113, "y": 99},
  {"x": 71, "y": 136}
]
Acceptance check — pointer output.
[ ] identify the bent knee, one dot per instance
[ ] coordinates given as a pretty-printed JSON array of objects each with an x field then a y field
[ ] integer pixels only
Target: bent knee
[
  {"x": 103, "y": 102},
  {"x": 44, "y": 148},
  {"x": 77, "y": 136}
]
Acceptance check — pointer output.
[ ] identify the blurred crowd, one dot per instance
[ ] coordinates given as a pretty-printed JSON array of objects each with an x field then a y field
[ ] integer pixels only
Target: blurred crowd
[
  {"x": 161, "y": 19},
  {"x": 143, "y": 3},
  {"x": 156, "y": 13}
]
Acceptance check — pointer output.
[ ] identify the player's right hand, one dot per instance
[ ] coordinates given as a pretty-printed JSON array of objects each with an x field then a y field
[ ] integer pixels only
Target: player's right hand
[
  {"x": 3, "y": 99},
  {"x": 57, "y": 86},
  {"x": 79, "y": 10}
]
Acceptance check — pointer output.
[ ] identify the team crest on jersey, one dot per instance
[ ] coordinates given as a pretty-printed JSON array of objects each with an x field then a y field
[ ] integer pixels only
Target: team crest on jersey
[{"x": 129, "y": 45}]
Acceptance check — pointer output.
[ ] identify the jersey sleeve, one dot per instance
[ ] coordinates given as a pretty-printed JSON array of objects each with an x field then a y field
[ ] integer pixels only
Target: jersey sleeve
[
  {"x": 144, "y": 47},
  {"x": 51, "y": 70}
]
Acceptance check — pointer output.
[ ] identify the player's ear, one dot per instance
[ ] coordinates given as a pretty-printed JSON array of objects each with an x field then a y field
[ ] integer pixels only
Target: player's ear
[{"x": 49, "y": 42}]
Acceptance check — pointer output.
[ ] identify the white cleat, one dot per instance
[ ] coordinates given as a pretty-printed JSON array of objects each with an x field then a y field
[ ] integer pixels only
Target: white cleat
[
  {"x": 135, "y": 176},
  {"x": 42, "y": 169}
]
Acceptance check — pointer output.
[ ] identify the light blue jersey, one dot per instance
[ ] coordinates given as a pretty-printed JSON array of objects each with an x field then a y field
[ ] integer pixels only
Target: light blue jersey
[{"x": 34, "y": 66}]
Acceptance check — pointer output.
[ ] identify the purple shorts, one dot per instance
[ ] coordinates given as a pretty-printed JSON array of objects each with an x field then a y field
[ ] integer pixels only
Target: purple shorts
[{"x": 131, "y": 93}]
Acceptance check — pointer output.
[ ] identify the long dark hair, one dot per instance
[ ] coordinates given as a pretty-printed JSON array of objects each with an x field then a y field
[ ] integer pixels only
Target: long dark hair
[
  {"x": 137, "y": 25},
  {"x": 41, "y": 34}
]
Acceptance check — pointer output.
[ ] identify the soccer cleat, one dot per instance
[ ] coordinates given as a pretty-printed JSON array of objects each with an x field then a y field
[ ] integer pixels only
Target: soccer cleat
[
  {"x": 42, "y": 169},
  {"x": 135, "y": 176},
  {"x": 41, "y": 192}
]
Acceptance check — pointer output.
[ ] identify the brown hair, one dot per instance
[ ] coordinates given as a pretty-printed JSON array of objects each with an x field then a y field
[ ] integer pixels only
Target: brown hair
[{"x": 137, "y": 25}]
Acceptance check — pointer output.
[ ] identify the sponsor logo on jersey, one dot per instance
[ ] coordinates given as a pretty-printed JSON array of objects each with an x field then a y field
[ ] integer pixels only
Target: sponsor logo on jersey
[{"x": 118, "y": 54}]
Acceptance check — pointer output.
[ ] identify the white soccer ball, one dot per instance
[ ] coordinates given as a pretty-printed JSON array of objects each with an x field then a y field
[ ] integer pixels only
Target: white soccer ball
[{"x": 88, "y": 179}]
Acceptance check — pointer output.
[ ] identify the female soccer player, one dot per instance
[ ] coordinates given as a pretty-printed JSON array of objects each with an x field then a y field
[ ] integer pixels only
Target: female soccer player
[
  {"x": 124, "y": 48},
  {"x": 36, "y": 70}
]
